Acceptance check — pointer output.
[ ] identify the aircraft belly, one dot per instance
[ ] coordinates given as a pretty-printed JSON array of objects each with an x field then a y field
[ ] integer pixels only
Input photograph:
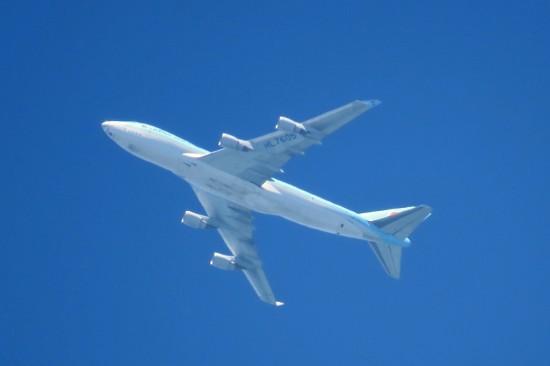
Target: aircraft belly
[
  {"x": 156, "y": 152},
  {"x": 228, "y": 187},
  {"x": 307, "y": 213},
  {"x": 326, "y": 222},
  {"x": 272, "y": 199}
]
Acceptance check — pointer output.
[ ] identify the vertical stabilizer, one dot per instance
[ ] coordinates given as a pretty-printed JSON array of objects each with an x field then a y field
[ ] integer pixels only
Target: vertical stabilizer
[{"x": 389, "y": 257}]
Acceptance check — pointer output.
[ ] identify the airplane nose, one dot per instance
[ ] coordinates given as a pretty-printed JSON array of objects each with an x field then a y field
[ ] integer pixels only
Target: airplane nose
[{"x": 108, "y": 127}]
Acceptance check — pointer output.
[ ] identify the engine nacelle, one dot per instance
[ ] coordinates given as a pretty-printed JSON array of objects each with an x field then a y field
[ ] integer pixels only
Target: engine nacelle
[
  {"x": 225, "y": 262},
  {"x": 231, "y": 142},
  {"x": 194, "y": 220},
  {"x": 286, "y": 124}
]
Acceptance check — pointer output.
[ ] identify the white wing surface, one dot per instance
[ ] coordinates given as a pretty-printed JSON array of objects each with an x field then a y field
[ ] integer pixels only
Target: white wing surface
[
  {"x": 265, "y": 156},
  {"x": 234, "y": 223}
]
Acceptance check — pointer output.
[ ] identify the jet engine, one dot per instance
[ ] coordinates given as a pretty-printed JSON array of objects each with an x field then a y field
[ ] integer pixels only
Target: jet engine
[
  {"x": 286, "y": 124},
  {"x": 194, "y": 220},
  {"x": 225, "y": 262},
  {"x": 231, "y": 142}
]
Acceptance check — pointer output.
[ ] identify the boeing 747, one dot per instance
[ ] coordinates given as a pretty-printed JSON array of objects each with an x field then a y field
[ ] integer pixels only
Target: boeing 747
[{"x": 236, "y": 180}]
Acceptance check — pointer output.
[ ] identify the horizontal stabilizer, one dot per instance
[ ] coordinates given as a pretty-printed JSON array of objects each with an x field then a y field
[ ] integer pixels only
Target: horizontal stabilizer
[{"x": 399, "y": 222}]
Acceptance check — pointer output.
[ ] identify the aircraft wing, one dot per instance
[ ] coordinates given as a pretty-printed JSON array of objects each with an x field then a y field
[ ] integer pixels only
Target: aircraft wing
[
  {"x": 234, "y": 223},
  {"x": 262, "y": 157}
]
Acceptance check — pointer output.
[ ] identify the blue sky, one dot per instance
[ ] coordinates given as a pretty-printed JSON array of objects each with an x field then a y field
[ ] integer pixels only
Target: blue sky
[{"x": 96, "y": 269}]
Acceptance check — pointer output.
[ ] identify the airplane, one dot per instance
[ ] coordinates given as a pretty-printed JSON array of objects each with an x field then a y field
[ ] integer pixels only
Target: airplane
[{"x": 237, "y": 180}]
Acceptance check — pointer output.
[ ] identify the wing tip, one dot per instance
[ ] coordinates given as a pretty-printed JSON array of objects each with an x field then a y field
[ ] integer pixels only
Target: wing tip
[{"x": 369, "y": 103}]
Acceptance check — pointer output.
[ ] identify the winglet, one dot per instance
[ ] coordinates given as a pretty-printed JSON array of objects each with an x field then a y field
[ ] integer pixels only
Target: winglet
[{"x": 278, "y": 303}]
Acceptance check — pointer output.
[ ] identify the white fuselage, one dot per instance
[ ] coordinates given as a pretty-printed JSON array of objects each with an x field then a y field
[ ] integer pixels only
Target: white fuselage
[{"x": 274, "y": 197}]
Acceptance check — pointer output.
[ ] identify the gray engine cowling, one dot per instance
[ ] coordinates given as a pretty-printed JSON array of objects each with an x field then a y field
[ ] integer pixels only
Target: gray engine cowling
[
  {"x": 194, "y": 220},
  {"x": 286, "y": 124},
  {"x": 225, "y": 262},
  {"x": 231, "y": 142}
]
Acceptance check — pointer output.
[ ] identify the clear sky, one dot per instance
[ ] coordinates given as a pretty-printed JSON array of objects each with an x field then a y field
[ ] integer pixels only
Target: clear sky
[{"x": 95, "y": 268}]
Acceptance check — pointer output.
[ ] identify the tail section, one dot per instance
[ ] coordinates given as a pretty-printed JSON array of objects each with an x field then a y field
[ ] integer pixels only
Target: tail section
[
  {"x": 389, "y": 257},
  {"x": 399, "y": 222}
]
